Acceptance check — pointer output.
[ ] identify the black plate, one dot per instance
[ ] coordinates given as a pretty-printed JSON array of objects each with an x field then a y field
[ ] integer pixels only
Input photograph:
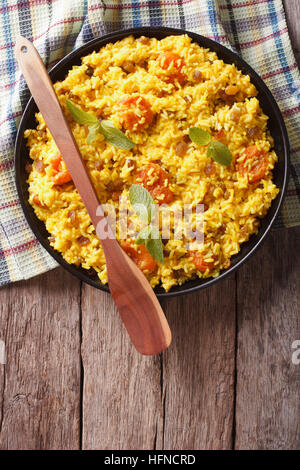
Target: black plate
[{"x": 269, "y": 106}]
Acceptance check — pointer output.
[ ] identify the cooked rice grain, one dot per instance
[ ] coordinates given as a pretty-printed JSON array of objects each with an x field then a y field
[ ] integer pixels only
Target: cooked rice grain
[{"x": 214, "y": 96}]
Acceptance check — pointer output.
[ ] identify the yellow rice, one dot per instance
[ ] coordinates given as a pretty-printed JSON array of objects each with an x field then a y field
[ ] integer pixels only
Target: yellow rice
[{"x": 234, "y": 206}]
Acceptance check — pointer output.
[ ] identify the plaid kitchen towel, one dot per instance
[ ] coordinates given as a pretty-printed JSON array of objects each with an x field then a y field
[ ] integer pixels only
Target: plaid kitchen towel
[{"x": 255, "y": 29}]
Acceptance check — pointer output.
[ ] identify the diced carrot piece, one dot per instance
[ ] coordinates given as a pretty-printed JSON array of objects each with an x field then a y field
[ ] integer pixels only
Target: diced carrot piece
[
  {"x": 37, "y": 201},
  {"x": 252, "y": 151},
  {"x": 135, "y": 113},
  {"x": 257, "y": 169},
  {"x": 173, "y": 63},
  {"x": 157, "y": 182},
  {"x": 55, "y": 162},
  {"x": 140, "y": 256},
  {"x": 200, "y": 263},
  {"x": 62, "y": 178},
  {"x": 59, "y": 176}
]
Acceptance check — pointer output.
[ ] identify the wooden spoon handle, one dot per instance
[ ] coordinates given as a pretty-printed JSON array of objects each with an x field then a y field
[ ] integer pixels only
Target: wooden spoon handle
[
  {"x": 139, "y": 307},
  {"x": 134, "y": 297},
  {"x": 42, "y": 90}
]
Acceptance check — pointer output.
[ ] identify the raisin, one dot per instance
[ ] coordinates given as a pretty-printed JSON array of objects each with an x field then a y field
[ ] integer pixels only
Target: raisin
[{"x": 89, "y": 71}]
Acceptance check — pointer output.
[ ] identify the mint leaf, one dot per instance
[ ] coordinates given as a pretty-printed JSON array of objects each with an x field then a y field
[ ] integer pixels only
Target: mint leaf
[
  {"x": 219, "y": 152},
  {"x": 93, "y": 132},
  {"x": 150, "y": 237},
  {"x": 154, "y": 245},
  {"x": 143, "y": 235},
  {"x": 142, "y": 202},
  {"x": 87, "y": 119},
  {"x": 199, "y": 136},
  {"x": 114, "y": 136}
]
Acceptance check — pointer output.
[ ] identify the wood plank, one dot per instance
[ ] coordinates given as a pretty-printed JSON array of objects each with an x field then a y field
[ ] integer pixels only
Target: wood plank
[
  {"x": 268, "y": 397},
  {"x": 122, "y": 407},
  {"x": 297, "y": 55},
  {"x": 40, "y": 384},
  {"x": 198, "y": 370},
  {"x": 292, "y": 11}
]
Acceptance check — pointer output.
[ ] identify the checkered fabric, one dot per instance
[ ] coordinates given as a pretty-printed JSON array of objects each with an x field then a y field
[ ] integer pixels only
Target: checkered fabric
[{"x": 255, "y": 29}]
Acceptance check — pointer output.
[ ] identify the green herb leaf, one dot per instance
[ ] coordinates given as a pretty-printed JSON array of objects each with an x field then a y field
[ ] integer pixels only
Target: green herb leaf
[
  {"x": 154, "y": 247},
  {"x": 150, "y": 237},
  {"x": 219, "y": 152},
  {"x": 80, "y": 116},
  {"x": 143, "y": 235},
  {"x": 93, "y": 132},
  {"x": 142, "y": 202},
  {"x": 114, "y": 136},
  {"x": 199, "y": 136}
]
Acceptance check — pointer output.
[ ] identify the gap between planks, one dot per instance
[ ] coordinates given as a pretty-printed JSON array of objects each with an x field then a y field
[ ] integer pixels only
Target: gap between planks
[{"x": 182, "y": 399}]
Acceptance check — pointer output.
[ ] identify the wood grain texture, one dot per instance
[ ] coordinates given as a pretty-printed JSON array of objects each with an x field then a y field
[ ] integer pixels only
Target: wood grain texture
[
  {"x": 267, "y": 391},
  {"x": 122, "y": 406},
  {"x": 40, "y": 384},
  {"x": 182, "y": 399},
  {"x": 268, "y": 397},
  {"x": 141, "y": 312},
  {"x": 198, "y": 370},
  {"x": 292, "y": 11}
]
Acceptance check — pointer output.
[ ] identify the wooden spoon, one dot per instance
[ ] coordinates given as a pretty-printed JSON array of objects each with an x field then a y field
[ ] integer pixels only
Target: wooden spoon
[{"x": 138, "y": 306}]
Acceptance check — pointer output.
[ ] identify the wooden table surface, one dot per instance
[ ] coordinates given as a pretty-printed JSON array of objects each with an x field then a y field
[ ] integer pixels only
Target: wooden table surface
[{"x": 72, "y": 379}]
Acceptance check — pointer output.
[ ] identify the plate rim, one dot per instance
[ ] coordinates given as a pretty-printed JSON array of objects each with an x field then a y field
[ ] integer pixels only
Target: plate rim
[{"x": 151, "y": 31}]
